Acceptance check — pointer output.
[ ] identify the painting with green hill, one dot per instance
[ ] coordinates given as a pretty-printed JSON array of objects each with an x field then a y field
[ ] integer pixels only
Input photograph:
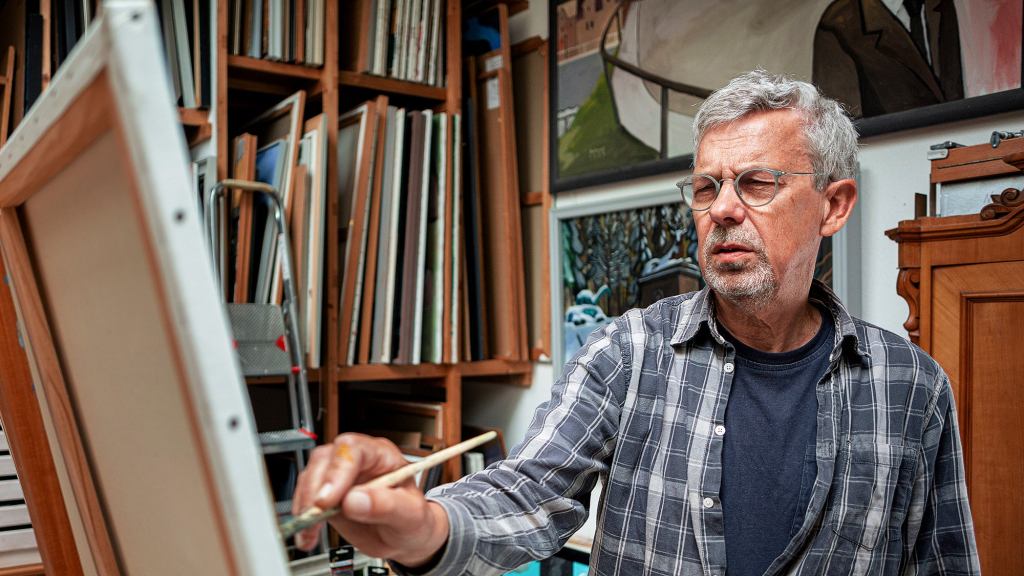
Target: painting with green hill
[{"x": 627, "y": 76}]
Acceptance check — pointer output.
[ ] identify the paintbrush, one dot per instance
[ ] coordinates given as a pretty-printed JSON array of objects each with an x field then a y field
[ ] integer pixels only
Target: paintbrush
[{"x": 314, "y": 515}]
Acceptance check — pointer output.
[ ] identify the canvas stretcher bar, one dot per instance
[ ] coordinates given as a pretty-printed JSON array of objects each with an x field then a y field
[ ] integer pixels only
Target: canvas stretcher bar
[{"x": 127, "y": 340}]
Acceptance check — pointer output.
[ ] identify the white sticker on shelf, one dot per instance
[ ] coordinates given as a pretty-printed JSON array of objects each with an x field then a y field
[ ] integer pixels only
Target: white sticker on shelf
[
  {"x": 493, "y": 63},
  {"x": 493, "y": 94}
]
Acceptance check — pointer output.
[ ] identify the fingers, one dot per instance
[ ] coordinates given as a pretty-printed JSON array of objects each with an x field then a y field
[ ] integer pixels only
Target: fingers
[
  {"x": 390, "y": 506},
  {"x": 311, "y": 479},
  {"x": 334, "y": 468},
  {"x": 306, "y": 487},
  {"x": 357, "y": 459}
]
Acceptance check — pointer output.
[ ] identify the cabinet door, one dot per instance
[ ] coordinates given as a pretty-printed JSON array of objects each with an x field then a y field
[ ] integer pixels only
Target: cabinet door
[{"x": 977, "y": 331}]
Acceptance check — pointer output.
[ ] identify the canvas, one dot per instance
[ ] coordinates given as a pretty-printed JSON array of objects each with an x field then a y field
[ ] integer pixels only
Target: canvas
[
  {"x": 125, "y": 333},
  {"x": 627, "y": 77}
]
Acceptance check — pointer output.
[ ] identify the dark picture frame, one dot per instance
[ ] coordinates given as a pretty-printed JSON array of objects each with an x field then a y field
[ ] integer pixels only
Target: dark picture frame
[{"x": 950, "y": 111}]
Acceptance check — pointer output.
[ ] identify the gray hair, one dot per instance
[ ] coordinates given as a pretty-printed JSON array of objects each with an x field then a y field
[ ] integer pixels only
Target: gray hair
[{"x": 831, "y": 137}]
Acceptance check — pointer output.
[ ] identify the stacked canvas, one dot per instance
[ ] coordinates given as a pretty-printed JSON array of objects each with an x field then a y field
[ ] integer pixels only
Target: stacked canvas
[
  {"x": 187, "y": 46},
  {"x": 405, "y": 39},
  {"x": 280, "y": 149},
  {"x": 285, "y": 30},
  {"x": 397, "y": 300}
]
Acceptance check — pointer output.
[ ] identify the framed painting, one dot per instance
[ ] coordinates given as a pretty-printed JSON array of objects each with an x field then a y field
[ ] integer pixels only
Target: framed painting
[
  {"x": 606, "y": 257},
  {"x": 627, "y": 76},
  {"x": 126, "y": 337}
]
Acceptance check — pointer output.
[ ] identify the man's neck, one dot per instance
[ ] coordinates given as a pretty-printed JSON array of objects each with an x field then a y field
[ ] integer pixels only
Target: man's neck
[{"x": 776, "y": 327}]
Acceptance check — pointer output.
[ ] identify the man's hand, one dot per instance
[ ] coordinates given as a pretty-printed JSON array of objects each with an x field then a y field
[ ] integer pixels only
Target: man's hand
[{"x": 394, "y": 523}]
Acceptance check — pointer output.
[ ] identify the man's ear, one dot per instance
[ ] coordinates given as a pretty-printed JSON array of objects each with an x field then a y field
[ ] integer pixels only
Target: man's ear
[{"x": 840, "y": 197}]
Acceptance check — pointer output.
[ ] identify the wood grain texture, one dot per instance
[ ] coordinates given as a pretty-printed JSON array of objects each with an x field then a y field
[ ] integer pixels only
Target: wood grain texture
[
  {"x": 26, "y": 436},
  {"x": 31, "y": 570},
  {"x": 392, "y": 86},
  {"x": 981, "y": 161},
  {"x": 354, "y": 248},
  {"x": 244, "y": 168},
  {"x": 963, "y": 277},
  {"x": 83, "y": 121},
  {"x": 7, "y": 83},
  {"x": 330, "y": 360},
  {"x": 373, "y": 232},
  {"x": 991, "y": 381},
  {"x": 51, "y": 379}
]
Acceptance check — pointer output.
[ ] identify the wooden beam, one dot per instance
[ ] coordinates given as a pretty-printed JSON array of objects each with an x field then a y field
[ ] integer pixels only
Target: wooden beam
[
  {"x": 391, "y": 86},
  {"x": 8, "y": 87},
  {"x": 531, "y": 44},
  {"x": 28, "y": 570},
  {"x": 26, "y": 435},
  {"x": 54, "y": 388}
]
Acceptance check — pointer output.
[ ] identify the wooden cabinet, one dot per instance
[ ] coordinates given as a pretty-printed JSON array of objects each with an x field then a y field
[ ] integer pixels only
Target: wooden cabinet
[{"x": 963, "y": 277}]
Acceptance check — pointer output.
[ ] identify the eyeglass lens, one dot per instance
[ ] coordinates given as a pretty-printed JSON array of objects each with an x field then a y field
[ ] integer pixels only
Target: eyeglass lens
[{"x": 754, "y": 187}]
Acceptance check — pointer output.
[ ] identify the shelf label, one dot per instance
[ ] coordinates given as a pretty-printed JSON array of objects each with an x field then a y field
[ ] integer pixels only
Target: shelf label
[
  {"x": 493, "y": 63},
  {"x": 493, "y": 93}
]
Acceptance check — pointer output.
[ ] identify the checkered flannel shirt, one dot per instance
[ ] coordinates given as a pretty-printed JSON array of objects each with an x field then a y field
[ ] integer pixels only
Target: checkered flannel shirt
[{"x": 637, "y": 408}]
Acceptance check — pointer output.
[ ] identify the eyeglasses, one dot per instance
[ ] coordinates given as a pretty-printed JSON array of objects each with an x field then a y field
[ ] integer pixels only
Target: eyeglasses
[{"x": 755, "y": 187}]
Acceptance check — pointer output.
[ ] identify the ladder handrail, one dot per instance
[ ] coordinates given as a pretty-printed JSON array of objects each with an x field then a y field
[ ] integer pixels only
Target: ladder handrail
[{"x": 289, "y": 307}]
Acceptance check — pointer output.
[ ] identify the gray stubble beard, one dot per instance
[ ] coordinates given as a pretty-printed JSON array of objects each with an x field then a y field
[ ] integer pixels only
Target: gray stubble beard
[{"x": 757, "y": 286}]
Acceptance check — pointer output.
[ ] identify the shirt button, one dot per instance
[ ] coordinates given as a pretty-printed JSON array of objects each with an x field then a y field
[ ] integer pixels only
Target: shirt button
[
  {"x": 728, "y": 367},
  {"x": 708, "y": 502},
  {"x": 720, "y": 430}
]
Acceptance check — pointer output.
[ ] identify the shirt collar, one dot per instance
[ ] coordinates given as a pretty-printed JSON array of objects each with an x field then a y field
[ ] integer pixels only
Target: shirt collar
[{"x": 698, "y": 311}]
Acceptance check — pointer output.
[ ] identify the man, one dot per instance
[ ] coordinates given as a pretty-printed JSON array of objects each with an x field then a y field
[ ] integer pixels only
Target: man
[{"x": 753, "y": 427}]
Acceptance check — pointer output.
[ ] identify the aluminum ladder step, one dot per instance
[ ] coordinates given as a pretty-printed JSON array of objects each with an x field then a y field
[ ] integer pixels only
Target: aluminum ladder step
[{"x": 278, "y": 441}]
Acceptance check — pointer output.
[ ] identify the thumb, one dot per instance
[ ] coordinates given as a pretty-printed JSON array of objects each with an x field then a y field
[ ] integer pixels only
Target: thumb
[{"x": 395, "y": 507}]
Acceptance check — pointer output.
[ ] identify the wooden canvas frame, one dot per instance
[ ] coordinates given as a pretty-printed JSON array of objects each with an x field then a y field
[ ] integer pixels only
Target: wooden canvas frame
[
  {"x": 284, "y": 119},
  {"x": 7, "y": 88},
  {"x": 128, "y": 344}
]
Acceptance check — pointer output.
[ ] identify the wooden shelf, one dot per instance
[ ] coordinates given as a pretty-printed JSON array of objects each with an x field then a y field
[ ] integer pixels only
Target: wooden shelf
[
  {"x": 197, "y": 125},
  {"x": 370, "y": 372},
  {"x": 269, "y": 69},
  {"x": 194, "y": 117},
  {"x": 391, "y": 86},
  {"x": 27, "y": 570},
  {"x": 520, "y": 370}
]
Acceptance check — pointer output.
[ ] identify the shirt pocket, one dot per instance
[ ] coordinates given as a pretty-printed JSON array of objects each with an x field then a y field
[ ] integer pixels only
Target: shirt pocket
[{"x": 869, "y": 492}]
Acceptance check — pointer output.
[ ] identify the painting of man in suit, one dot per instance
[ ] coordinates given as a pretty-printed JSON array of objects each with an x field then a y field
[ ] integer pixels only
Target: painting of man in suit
[
  {"x": 882, "y": 56},
  {"x": 630, "y": 74}
]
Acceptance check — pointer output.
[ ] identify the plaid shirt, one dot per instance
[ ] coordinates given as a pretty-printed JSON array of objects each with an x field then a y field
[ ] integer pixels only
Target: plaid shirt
[{"x": 638, "y": 408}]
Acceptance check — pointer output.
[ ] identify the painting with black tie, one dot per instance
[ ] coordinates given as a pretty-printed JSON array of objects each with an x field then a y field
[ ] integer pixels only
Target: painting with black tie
[{"x": 627, "y": 76}]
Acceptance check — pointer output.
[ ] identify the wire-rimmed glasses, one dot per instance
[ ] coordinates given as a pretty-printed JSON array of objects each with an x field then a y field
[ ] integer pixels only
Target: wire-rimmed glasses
[{"x": 755, "y": 187}]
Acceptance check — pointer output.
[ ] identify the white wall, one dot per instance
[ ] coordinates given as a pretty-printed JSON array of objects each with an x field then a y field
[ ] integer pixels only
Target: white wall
[{"x": 893, "y": 168}]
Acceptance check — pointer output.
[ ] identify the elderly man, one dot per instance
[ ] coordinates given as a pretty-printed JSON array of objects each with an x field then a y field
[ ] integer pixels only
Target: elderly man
[{"x": 752, "y": 427}]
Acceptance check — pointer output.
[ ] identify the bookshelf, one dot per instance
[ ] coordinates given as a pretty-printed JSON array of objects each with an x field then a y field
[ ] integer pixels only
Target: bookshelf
[{"x": 242, "y": 88}]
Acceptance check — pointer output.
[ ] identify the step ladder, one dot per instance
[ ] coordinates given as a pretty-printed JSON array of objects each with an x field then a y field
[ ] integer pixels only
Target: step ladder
[{"x": 266, "y": 335}]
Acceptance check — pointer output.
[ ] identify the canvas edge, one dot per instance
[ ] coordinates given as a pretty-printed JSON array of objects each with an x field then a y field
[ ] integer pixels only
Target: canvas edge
[{"x": 203, "y": 336}]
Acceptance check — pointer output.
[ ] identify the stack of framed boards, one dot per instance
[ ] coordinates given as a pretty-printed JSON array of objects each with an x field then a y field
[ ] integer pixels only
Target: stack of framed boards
[
  {"x": 399, "y": 258},
  {"x": 402, "y": 39}
]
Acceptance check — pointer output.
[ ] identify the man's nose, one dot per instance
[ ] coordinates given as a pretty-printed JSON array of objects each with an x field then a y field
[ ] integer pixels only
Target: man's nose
[{"x": 728, "y": 209}]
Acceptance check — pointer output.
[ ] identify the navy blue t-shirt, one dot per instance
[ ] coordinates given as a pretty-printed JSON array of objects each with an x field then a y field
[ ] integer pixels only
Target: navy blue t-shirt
[{"x": 768, "y": 448}]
